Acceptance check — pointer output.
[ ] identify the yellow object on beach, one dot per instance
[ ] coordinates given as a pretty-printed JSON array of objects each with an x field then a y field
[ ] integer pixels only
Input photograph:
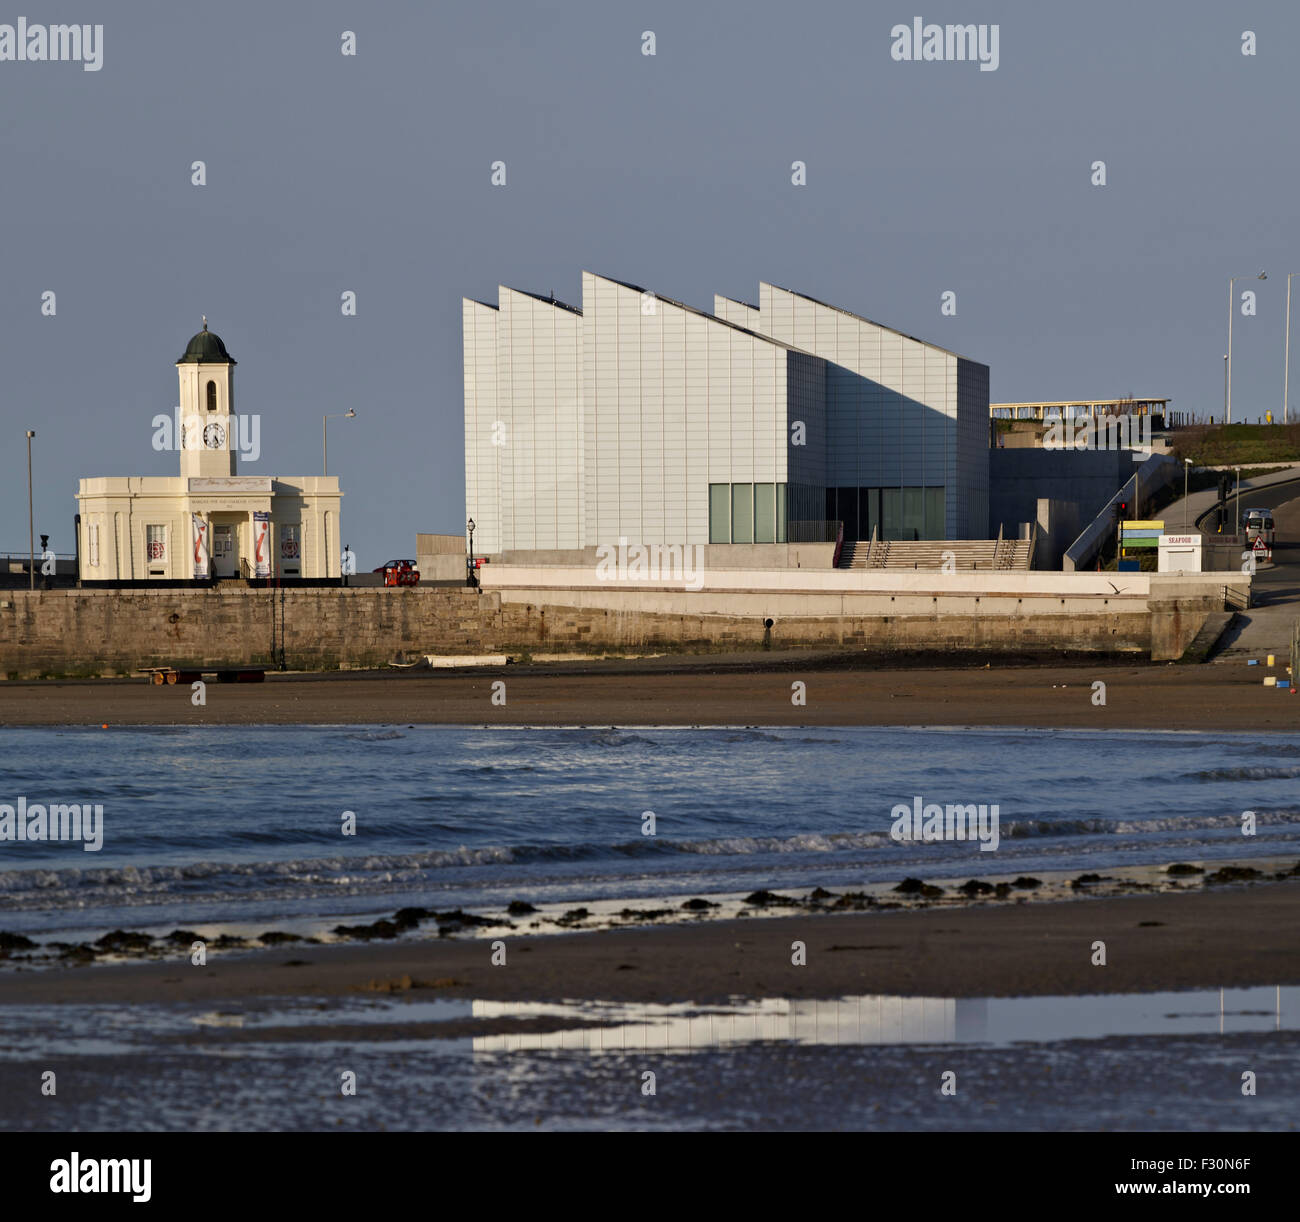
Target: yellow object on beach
[{"x": 1270, "y": 660}]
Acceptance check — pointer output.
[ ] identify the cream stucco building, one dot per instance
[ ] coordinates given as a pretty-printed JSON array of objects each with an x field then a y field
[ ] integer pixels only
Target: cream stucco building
[{"x": 209, "y": 521}]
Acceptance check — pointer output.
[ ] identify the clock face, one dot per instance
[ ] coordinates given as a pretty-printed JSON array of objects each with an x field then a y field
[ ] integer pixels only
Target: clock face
[{"x": 214, "y": 436}]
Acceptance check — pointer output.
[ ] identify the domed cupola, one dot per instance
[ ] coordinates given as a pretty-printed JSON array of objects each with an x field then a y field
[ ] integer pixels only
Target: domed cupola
[{"x": 206, "y": 348}]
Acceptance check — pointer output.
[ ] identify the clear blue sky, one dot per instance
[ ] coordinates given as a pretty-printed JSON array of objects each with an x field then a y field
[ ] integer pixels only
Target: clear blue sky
[{"x": 371, "y": 174}]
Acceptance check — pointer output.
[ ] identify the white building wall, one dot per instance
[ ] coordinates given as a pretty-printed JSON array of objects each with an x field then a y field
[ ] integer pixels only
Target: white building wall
[
  {"x": 674, "y": 400},
  {"x": 892, "y": 405},
  {"x": 539, "y": 395},
  {"x": 740, "y": 313},
  {"x": 482, "y": 457}
]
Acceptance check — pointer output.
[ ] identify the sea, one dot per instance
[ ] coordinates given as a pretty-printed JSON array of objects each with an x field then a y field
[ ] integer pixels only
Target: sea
[{"x": 259, "y": 824}]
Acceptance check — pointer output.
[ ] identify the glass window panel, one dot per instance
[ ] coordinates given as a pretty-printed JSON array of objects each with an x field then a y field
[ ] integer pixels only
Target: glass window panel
[
  {"x": 913, "y": 513},
  {"x": 934, "y": 516},
  {"x": 869, "y": 512},
  {"x": 847, "y": 503},
  {"x": 781, "y": 535},
  {"x": 891, "y": 513},
  {"x": 764, "y": 513},
  {"x": 742, "y": 513},
  {"x": 719, "y": 513}
]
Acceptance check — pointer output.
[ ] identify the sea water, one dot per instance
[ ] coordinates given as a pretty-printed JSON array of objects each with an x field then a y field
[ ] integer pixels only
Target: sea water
[{"x": 247, "y": 823}]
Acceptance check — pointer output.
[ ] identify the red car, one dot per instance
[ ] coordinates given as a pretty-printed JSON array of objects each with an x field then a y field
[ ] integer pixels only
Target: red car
[{"x": 399, "y": 573}]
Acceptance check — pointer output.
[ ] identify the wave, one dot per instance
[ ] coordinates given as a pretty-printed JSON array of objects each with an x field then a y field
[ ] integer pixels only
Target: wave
[
  {"x": 332, "y": 871},
  {"x": 1248, "y": 773}
]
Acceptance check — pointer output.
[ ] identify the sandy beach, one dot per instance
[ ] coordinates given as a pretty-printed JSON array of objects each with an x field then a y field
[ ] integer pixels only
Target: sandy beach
[
  {"x": 1232, "y": 937},
  {"x": 685, "y": 691}
]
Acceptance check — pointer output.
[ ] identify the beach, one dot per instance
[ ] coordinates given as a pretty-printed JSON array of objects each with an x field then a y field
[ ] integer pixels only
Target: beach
[
  {"x": 502, "y": 941},
  {"x": 688, "y": 691},
  {"x": 1231, "y": 938}
]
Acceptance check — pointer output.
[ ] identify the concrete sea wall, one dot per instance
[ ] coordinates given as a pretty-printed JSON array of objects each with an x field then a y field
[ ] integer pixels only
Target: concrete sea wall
[{"x": 100, "y": 632}]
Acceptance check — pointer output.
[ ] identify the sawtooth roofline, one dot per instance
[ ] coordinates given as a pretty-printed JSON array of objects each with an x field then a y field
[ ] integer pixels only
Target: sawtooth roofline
[
  {"x": 861, "y": 318},
  {"x": 690, "y": 309}
]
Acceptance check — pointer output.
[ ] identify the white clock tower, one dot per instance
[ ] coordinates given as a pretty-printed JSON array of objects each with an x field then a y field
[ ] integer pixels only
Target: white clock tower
[{"x": 207, "y": 402}]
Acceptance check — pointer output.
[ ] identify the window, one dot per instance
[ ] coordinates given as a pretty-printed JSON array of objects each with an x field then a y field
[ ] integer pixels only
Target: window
[
  {"x": 155, "y": 538},
  {"x": 913, "y": 513},
  {"x": 291, "y": 548},
  {"x": 742, "y": 513},
  {"x": 752, "y": 513},
  {"x": 92, "y": 544},
  {"x": 212, "y": 396},
  {"x": 935, "y": 525},
  {"x": 764, "y": 513},
  {"x": 719, "y": 513}
]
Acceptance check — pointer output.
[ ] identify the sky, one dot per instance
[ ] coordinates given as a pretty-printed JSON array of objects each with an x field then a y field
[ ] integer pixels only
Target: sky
[{"x": 371, "y": 174}]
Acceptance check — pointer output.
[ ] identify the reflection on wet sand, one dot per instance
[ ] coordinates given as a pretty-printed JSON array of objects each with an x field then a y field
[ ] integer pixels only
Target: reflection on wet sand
[{"x": 871, "y": 1019}]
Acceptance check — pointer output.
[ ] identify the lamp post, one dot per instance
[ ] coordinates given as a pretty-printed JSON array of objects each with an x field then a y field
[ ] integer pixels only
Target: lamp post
[
  {"x": 1232, "y": 309},
  {"x": 1187, "y": 512},
  {"x": 324, "y": 437},
  {"x": 31, "y": 534},
  {"x": 1225, "y": 386},
  {"x": 1236, "y": 507},
  {"x": 473, "y": 577},
  {"x": 1286, "y": 367}
]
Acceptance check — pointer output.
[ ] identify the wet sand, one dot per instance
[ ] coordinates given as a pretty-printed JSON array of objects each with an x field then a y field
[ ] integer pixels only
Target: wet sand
[
  {"x": 1227, "y": 937},
  {"x": 684, "y": 691}
]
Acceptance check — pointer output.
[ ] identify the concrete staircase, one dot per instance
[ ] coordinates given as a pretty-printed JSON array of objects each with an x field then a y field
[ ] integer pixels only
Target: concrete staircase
[{"x": 978, "y": 555}]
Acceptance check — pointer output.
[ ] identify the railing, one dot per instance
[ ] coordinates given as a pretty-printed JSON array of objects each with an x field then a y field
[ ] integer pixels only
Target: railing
[
  {"x": 1150, "y": 477},
  {"x": 9, "y": 559}
]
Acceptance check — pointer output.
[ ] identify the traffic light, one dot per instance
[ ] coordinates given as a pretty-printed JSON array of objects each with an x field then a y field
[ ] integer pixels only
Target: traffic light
[{"x": 1123, "y": 511}]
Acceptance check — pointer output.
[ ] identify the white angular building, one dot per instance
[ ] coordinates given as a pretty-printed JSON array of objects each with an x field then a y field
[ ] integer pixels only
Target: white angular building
[
  {"x": 209, "y": 521},
  {"x": 643, "y": 419}
]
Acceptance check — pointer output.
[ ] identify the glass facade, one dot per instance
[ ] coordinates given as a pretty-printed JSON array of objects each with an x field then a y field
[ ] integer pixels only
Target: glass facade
[
  {"x": 893, "y": 513},
  {"x": 759, "y": 513},
  {"x": 747, "y": 513}
]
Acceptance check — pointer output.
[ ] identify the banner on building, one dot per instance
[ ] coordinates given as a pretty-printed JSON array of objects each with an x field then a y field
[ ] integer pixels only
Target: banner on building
[
  {"x": 261, "y": 544},
  {"x": 200, "y": 529}
]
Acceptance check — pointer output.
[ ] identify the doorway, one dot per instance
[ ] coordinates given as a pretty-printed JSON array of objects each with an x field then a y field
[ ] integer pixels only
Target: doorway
[{"x": 225, "y": 551}]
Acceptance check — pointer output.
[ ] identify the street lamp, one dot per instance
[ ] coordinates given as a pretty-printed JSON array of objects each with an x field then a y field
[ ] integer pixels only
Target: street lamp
[
  {"x": 1236, "y": 508},
  {"x": 1286, "y": 368},
  {"x": 1232, "y": 309},
  {"x": 1225, "y": 386},
  {"x": 1187, "y": 520},
  {"x": 31, "y": 534},
  {"x": 324, "y": 437},
  {"x": 473, "y": 577}
]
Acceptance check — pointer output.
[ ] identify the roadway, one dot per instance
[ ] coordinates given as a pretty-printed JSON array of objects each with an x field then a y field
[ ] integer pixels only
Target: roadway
[{"x": 1275, "y": 593}]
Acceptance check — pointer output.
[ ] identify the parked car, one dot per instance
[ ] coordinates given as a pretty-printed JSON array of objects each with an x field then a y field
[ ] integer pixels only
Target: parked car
[{"x": 399, "y": 573}]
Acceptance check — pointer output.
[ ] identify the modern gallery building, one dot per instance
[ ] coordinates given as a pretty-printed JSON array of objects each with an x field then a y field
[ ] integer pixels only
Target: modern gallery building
[{"x": 639, "y": 418}]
